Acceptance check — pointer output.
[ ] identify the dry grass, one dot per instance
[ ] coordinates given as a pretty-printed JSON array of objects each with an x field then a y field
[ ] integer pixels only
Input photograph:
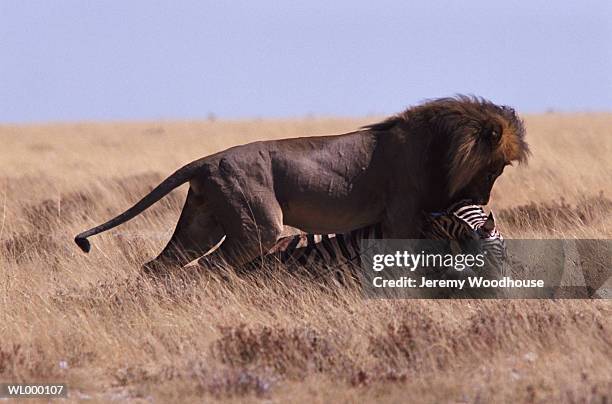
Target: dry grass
[{"x": 88, "y": 321}]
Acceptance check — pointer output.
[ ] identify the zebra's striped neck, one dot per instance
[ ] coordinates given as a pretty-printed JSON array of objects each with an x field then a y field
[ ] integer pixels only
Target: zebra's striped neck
[{"x": 473, "y": 215}]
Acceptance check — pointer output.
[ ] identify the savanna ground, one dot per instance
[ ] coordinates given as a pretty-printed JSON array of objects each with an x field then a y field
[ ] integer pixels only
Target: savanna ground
[{"x": 88, "y": 321}]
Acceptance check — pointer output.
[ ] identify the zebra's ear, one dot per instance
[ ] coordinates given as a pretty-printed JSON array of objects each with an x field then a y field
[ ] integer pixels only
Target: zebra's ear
[{"x": 489, "y": 224}]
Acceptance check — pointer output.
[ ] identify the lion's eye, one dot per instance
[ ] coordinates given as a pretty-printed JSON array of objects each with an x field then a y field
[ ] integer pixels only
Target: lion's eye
[{"x": 495, "y": 135}]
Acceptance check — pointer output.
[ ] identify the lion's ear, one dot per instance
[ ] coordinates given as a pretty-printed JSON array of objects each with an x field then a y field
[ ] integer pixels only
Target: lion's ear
[
  {"x": 490, "y": 133},
  {"x": 495, "y": 136}
]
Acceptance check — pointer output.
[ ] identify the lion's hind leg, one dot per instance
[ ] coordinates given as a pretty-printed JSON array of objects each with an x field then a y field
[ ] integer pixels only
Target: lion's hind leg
[
  {"x": 251, "y": 231},
  {"x": 195, "y": 234}
]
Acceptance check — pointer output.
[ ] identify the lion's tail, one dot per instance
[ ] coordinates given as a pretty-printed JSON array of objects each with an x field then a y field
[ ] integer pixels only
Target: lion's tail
[{"x": 181, "y": 176}]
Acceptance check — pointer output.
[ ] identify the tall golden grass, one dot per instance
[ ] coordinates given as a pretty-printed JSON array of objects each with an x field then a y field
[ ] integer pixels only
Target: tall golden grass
[{"x": 89, "y": 321}]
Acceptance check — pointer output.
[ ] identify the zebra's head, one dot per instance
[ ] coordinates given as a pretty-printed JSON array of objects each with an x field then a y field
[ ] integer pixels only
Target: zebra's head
[
  {"x": 468, "y": 230},
  {"x": 466, "y": 223}
]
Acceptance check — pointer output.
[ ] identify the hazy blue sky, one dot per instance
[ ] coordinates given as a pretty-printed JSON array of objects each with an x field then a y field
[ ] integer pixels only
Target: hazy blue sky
[{"x": 91, "y": 60}]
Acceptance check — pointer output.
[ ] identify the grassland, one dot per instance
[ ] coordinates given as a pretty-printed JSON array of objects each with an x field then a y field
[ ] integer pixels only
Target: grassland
[{"x": 89, "y": 321}]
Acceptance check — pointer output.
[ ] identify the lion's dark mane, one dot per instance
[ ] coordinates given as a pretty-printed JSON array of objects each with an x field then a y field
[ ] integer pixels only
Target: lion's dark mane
[{"x": 460, "y": 138}]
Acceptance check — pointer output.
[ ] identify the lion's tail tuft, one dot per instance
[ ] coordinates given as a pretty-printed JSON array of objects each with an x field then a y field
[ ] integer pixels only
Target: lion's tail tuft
[{"x": 83, "y": 243}]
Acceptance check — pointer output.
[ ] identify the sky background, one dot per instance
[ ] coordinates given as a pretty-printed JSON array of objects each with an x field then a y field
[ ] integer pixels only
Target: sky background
[{"x": 134, "y": 60}]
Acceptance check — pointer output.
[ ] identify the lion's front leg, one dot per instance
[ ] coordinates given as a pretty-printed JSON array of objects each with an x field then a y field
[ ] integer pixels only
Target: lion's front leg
[{"x": 402, "y": 220}]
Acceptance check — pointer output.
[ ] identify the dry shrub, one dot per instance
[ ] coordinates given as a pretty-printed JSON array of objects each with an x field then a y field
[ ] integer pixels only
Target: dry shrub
[
  {"x": 26, "y": 362},
  {"x": 236, "y": 382},
  {"x": 50, "y": 214},
  {"x": 77, "y": 206},
  {"x": 25, "y": 247},
  {"x": 43, "y": 215},
  {"x": 595, "y": 258},
  {"x": 380, "y": 375},
  {"x": 218, "y": 382},
  {"x": 38, "y": 234},
  {"x": 131, "y": 375},
  {"x": 505, "y": 327},
  {"x": 291, "y": 352},
  {"x": 415, "y": 342}
]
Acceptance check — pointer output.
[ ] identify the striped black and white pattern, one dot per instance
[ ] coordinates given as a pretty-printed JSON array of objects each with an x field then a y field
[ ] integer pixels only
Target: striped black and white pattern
[
  {"x": 325, "y": 249},
  {"x": 489, "y": 237},
  {"x": 470, "y": 229},
  {"x": 461, "y": 222}
]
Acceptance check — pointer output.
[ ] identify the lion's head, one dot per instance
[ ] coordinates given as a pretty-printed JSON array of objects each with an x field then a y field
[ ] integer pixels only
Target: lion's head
[
  {"x": 485, "y": 138},
  {"x": 466, "y": 143}
]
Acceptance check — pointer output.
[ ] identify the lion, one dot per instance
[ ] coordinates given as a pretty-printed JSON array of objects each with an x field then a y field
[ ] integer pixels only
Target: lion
[{"x": 422, "y": 159}]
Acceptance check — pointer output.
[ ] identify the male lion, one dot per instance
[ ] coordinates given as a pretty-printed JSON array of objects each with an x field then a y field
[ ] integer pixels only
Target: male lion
[{"x": 422, "y": 159}]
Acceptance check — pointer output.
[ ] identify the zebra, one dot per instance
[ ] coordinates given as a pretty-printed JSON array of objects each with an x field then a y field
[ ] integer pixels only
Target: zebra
[{"x": 462, "y": 222}]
